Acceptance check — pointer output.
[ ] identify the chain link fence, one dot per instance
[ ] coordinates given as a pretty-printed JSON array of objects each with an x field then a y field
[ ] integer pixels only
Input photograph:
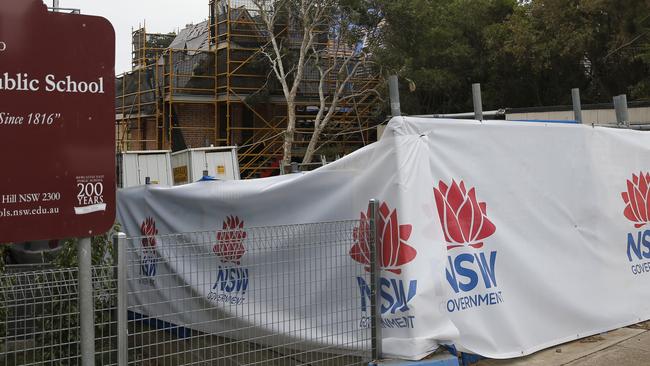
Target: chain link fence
[{"x": 284, "y": 295}]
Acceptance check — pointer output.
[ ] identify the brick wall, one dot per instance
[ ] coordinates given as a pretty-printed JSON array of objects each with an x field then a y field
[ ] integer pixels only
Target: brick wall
[
  {"x": 138, "y": 132},
  {"x": 197, "y": 123},
  {"x": 150, "y": 134}
]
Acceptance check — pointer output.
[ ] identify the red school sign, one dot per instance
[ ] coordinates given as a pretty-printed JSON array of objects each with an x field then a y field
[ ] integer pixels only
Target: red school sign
[{"x": 57, "y": 134}]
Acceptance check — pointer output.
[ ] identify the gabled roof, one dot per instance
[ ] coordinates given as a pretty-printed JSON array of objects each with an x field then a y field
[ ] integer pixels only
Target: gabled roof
[{"x": 192, "y": 37}]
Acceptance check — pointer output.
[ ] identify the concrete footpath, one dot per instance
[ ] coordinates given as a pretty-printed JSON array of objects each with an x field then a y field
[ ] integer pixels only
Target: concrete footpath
[{"x": 621, "y": 347}]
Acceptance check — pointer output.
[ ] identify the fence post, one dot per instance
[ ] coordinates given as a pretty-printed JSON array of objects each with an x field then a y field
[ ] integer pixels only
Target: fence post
[
  {"x": 617, "y": 109},
  {"x": 295, "y": 168},
  {"x": 86, "y": 303},
  {"x": 375, "y": 268},
  {"x": 625, "y": 116},
  {"x": 620, "y": 107},
  {"x": 478, "y": 101},
  {"x": 393, "y": 89},
  {"x": 577, "y": 108},
  {"x": 119, "y": 242}
]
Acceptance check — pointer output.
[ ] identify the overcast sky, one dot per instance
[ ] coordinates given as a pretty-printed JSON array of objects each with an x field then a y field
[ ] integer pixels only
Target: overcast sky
[{"x": 161, "y": 16}]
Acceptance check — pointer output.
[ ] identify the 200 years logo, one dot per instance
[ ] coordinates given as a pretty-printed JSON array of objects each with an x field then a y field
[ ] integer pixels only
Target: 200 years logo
[
  {"x": 90, "y": 194},
  {"x": 232, "y": 280},
  {"x": 465, "y": 225}
]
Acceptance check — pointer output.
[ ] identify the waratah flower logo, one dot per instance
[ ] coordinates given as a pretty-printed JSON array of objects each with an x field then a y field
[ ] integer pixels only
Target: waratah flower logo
[
  {"x": 462, "y": 216},
  {"x": 230, "y": 240},
  {"x": 637, "y": 199},
  {"x": 149, "y": 232},
  {"x": 394, "y": 250}
]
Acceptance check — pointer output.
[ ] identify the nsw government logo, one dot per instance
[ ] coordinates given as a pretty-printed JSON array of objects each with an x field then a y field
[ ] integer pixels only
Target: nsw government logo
[
  {"x": 149, "y": 256},
  {"x": 394, "y": 252},
  {"x": 637, "y": 210},
  {"x": 470, "y": 268},
  {"x": 232, "y": 279}
]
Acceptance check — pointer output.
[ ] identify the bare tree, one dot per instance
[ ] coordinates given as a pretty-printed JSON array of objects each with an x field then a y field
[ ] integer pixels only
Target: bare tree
[
  {"x": 315, "y": 35},
  {"x": 337, "y": 65}
]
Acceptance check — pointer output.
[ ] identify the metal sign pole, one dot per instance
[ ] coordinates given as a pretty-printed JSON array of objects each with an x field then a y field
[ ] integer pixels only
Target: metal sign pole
[
  {"x": 375, "y": 268},
  {"x": 119, "y": 241},
  {"x": 86, "y": 306}
]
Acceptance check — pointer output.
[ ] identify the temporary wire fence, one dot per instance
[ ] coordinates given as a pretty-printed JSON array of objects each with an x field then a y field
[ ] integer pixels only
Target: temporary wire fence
[
  {"x": 39, "y": 317},
  {"x": 288, "y": 295},
  {"x": 263, "y": 296}
]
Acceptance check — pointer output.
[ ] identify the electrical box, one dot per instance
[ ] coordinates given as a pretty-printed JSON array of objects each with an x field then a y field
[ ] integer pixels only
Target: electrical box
[
  {"x": 133, "y": 167},
  {"x": 219, "y": 162}
]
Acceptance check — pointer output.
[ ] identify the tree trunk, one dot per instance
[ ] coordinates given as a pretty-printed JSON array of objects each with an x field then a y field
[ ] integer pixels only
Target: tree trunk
[
  {"x": 289, "y": 135},
  {"x": 311, "y": 148}
]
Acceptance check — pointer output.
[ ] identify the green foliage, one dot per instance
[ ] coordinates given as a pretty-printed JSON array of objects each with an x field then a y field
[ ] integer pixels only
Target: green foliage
[
  {"x": 103, "y": 252},
  {"x": 524, "y": 53},
  {"x": 440, "y": 46},
  {"x": 103, "y": 256},
  {"x": 54, "y": 312},
  {"x": 592, "y": 44}
]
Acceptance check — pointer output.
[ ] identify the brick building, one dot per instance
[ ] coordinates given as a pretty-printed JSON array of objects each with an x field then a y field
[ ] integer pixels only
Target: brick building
[{"x": 210, "y": 85}]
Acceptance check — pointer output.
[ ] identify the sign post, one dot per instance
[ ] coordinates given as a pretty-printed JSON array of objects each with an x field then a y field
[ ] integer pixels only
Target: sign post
[
  {"x": 86, "y": 303},
  {"x": 57, "y": 134}
]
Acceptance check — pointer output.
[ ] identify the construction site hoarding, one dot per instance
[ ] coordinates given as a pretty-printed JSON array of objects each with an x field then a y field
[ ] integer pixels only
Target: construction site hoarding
[
  {"x": 57, "y": 133},
  {"x": 499, "y": 237}
]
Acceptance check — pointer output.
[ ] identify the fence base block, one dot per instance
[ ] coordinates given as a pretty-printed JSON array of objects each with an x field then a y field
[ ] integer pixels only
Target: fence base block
[{"x": 443, "y": 359}]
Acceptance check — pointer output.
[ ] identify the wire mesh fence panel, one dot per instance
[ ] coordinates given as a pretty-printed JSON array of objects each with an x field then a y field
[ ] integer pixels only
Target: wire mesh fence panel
[
  {"x": 287, "y": 295},
  {"x": 40, "y": 321},
  {"x": 105, "y": 295},
  {"x": 39, "y": 317}
]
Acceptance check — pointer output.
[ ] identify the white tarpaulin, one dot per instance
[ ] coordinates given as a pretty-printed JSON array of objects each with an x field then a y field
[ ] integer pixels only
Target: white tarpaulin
[{"x": 509, "y": 237}]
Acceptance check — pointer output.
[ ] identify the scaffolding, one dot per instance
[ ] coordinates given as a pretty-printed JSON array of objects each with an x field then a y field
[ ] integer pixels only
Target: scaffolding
[{"x": 211, "y": 85}]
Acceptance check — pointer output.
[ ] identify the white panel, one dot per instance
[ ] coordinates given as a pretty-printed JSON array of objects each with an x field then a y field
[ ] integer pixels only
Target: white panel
[
  {"x": 380, "y": 130},
  {"x": 220, "y": 164},
  {"x": 560, "y": 116},
  {"x": 154, "y": 166},
  {"x": 198, "y": 164},
  {"x": 590, "y": 117},
  {"x": 130, "y": 170},
  {"x": 179, "y": 160},
  {"x": 639, "y": 115},
  {"x": 515, "y": 116},
  {"x": 606, "y": 116}
]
